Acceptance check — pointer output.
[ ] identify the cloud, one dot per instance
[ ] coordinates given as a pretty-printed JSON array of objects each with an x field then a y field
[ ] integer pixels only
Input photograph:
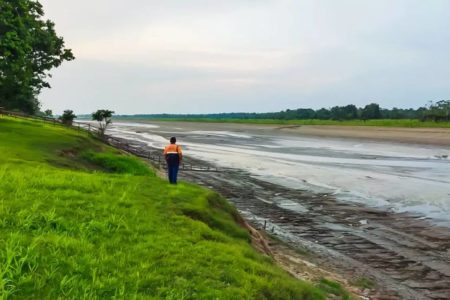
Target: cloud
[{"x": 210, "y": 56}]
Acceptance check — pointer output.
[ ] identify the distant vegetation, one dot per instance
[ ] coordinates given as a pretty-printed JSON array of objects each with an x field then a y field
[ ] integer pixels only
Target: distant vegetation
[
  {"x": 380, "y": 122},
  {"x": 67, "y": 117},
  {"x": 349, "y": 114}
]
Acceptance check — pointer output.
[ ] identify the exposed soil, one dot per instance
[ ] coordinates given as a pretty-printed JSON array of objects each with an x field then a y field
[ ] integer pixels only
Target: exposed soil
[
  {"x": 427, "y": 136},
  {"x": 407, "y": 257}
]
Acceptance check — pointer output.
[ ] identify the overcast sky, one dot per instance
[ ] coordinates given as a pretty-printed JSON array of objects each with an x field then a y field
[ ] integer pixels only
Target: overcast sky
[{"x": 199, "y": 56}]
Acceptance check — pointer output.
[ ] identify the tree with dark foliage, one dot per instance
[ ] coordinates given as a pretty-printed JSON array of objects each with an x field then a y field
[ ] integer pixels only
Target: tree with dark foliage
[
  {"x": 371, "y": 111},
  {"x": 67, "y": 117},
  {"x": 29, "y": 49},
  {"x": 103, "y": 116},
  {"x": 439, "y": 111},
  {"x": 348, "y": 112}
]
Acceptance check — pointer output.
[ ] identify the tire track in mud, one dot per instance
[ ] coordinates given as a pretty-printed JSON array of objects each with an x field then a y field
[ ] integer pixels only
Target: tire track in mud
[{"x": 407, "y": 257}]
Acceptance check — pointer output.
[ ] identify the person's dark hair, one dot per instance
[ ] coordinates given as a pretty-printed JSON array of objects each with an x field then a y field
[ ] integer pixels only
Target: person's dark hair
[{"x": 173, "y": 140}]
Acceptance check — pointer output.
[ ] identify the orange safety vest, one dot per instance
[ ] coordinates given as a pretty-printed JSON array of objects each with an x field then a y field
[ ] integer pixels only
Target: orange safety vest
[{"x": 173, "y": 149}]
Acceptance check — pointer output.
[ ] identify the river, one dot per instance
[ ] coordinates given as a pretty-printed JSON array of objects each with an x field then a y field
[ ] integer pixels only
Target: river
[{"x": 393, "y": 176}]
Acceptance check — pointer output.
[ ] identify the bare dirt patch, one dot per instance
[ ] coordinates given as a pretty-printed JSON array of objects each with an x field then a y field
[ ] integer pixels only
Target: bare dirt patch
[{"x": 430, "y": 136}]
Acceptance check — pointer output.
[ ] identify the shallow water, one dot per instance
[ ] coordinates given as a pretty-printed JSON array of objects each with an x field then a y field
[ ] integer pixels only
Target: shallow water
[{"x": 399, "y": 177}]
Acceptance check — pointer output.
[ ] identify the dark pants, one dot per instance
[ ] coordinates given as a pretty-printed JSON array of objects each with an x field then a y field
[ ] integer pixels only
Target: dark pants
[{"x": 172, "y": 170}]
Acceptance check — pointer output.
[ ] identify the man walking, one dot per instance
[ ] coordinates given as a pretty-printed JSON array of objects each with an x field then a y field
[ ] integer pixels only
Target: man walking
[{"x": 173, "y": 155}]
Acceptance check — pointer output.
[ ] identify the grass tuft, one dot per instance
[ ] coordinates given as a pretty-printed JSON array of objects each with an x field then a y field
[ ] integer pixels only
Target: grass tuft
[
  {"x": 115, "y": 163},
  {"x": 334, "y": 288},
  {"x": 364, "y": 282}
]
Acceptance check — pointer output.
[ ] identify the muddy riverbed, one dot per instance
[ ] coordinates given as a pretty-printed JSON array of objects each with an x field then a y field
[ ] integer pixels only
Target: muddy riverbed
[{"x": 377, "y": 210}]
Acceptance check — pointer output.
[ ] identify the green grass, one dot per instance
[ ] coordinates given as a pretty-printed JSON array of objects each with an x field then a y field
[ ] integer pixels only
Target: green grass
[
  {"x": 80, "y": 220},
  {"x": 413, "y": 123},
  {"x": 364, "y": 282},
  {"x": 112, "y": 162},
  {"x": 334, "y": 288}
]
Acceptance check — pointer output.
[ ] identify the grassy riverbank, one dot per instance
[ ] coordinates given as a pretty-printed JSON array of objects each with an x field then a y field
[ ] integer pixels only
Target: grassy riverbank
[
  {"x": 412, "y": 123},
  {"x": 79, "y": 220}
]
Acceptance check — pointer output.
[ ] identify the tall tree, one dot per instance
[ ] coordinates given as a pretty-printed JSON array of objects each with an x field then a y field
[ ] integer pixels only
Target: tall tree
[
  {"x": 103, "y": 117},
  {"x": 29, "y": 49},
  {"x": 439, "y": 111},
  {"x": 348, "y": 112},
  {"x": 67, "y": 117},
  {"x": 371, "y": 111}
]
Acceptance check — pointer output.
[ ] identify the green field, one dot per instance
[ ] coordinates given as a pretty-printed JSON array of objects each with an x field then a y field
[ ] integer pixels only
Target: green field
[
  {"x": 80, "y": 220},
  {"x": 413, "y": 123}
]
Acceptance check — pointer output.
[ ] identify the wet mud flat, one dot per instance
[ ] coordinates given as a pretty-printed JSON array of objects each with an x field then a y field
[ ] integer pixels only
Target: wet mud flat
[{"x": 406, "y": 256}]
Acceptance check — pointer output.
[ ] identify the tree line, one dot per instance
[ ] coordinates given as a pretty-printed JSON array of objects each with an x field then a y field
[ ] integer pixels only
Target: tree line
[{"x": 433, "y": 111}]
